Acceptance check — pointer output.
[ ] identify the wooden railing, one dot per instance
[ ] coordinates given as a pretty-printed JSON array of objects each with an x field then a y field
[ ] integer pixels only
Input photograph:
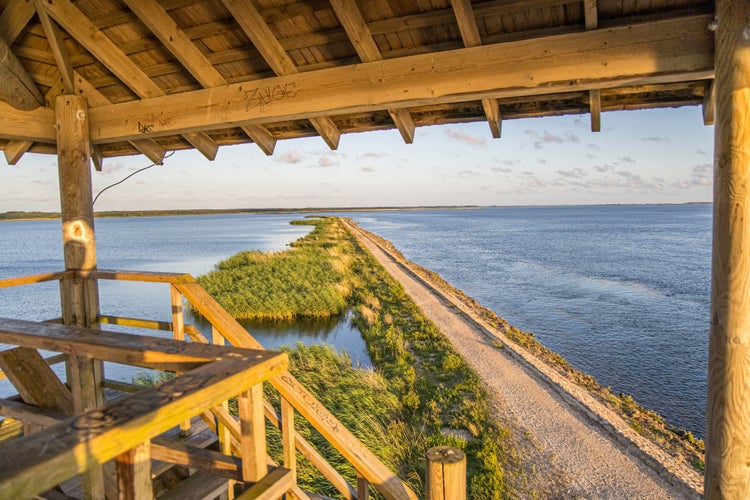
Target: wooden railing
[{"x": 294, "y": 397}]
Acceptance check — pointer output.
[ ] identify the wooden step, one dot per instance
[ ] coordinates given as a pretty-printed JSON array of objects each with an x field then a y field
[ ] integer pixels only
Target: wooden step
[
  {"x": 198, "y": 486},
  {"x": 271, "y": 487}
]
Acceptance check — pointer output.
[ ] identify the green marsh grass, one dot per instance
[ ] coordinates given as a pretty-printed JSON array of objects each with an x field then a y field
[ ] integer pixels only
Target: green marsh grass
[{"x": 421, "y": 394}]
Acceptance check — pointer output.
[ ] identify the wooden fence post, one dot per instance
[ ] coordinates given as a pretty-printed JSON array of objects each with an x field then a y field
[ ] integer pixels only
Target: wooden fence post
[
  {"x": 445, "y": 477},
  {"x": 728, "y": 406}
]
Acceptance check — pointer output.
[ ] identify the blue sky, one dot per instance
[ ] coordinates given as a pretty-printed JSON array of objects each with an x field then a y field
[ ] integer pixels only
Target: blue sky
[{"x": 649, "y": 156}]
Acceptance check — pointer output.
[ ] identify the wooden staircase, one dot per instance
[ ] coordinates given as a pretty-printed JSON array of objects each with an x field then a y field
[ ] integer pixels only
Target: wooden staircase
[{"x": 176, "y": 439}]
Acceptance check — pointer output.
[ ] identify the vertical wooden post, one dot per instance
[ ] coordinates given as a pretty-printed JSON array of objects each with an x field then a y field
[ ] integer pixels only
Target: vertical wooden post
[
  {"x": 80, "y": 297},
  {"x": 446, "y": 474},
  {"x": 134, "y": 473},
  {"x": 225, "y": 435},
  {"x": 253, "y": 427},
  {"x": 178, "y": 330},
  {"x": 728, "y": 408},
  {"x": 287, "y": 437}
]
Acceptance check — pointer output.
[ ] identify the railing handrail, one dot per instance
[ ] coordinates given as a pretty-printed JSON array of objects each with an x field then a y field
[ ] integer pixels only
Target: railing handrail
[{"x": 362, "y": 459}]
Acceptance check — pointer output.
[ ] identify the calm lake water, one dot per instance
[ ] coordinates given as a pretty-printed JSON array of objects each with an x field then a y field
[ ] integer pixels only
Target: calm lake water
[
  {"x": 621, "y": 291},
  {"x": 190, "y": 244}
]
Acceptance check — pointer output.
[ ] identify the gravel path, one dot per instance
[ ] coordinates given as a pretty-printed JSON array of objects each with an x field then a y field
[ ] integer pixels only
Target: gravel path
[{"x": 568, "y": 441}]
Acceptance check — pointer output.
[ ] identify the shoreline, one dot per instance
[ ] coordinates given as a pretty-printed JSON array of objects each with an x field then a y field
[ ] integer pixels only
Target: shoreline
[{"x": 684, "y": 481}]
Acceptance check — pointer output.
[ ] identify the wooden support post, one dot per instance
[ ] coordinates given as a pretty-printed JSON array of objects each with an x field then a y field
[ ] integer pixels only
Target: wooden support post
[
  {"x": 134, "y": 473},
  {"x": 178, "y": 330},
  {"x": 224, "y": 433},
  {"x": 253, "y": 428},
  {"x": 287, "y": 437},
  {"x": 446, "y": 474},
  {"x": 728, "y": 408},
  {"x": 80, "y": 297},
  {"x": 363, "y": 488}
]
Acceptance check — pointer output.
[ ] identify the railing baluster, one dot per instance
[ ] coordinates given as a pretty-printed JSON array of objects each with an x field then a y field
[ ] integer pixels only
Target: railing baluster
[
  {"x": 287, "y": 437},
  {"x": 253, "y": 430},
  {"x": 363, "y": 488},
  {"x": 134, "y": 472},
  {"x": 225, "y": 436},
  {"x": 178, "y": 329}
]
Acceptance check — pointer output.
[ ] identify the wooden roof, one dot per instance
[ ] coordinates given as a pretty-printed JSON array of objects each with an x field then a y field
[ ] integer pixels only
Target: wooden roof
[{"x": 176, "y": 74}]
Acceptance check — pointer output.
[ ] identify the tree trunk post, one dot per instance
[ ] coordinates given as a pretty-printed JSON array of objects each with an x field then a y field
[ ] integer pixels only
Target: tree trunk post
[
  {"x": 446, "y": 474},
  {"x": 728, "y": 407}
]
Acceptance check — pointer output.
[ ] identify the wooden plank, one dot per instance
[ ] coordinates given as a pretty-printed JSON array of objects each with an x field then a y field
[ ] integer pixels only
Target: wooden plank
[
  {"x": 14, "y": 150},
  {"x": 144, "y": 276},
  {"x": 595, "y": 108},
  {"x": 35, "y": 382},
  {"x": 213, "y": 462},
  {"x": 709, "y": 105},
  {"x": 15, "y": 17},
  {"x": 178, "y": 332},
  {"x": 134, "y": 473},
  {"x": 658, "y": 52},
  {"x": 135, "y": 350},
  {"x": 37, "y": 278},
  {"x": 272, "y": 486},
  {"x": 253, "y": 434},
  {"x": 66, "y": 449},
  {"x": 262, "y": 137},
  {"x": 136, "y": 322},
  {"x": 728, "y": 408},
  {"x": 57, "y": 46},
  {"x": 198, "y": 486}
]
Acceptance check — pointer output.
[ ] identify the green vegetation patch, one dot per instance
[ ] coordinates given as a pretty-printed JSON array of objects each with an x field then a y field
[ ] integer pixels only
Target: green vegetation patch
[
  {"x": 308, "y": 281},
  {"x": 422, "y": 393}
]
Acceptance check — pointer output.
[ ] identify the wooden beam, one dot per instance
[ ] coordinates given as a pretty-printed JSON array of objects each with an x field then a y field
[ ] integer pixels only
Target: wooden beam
[
  {"x": 16, "y": 86},
  {"x": 35, "y": 381},
  {"x": 78, "y": 25},
  {"x": 595, "y": 108},
  {"x": 709, "y": 105},
  {"x": 666, "y": 51},
  {"x": 203, "y": 143},
  {"x": 591, "y": 14},
  {"x": 253, "y": 437},
  {"x": 214, "y": 462},
  {"x": 256, "y": 29},
  {"x": 728, "y": 407},
  {"x": 494, "y": 118},
  {"x": 14, "y": 150},
  {"x": 30, "y": 414},
  {"x": 359, "y": 34},
  {"x": 57, "y": 46},
  {"x": 261, "y": 136},
  {"x": 467, "y": 23},
  {"x": 15, "y": 18},
  {"x": 272, "y": 486},
  {"x": 176, "y": 41}
]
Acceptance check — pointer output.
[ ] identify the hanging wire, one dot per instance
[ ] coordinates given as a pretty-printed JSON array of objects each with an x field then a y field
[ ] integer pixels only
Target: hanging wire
[{"x": 131, "y": 175}]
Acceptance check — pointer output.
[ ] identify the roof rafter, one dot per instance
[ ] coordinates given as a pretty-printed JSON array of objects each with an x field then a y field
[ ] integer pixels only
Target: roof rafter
[
  {"x": 359, "y": 34},
  {"x": 258, "y": 32},
  {"x": 14, "y": 19},
  {"x": 467, "y": 25},
  {"x": 57, "y": 46},
  {"x": 182, "y": 47},
  {"x": 591, "y": 19},
  {"x": 87, "y": 34}
]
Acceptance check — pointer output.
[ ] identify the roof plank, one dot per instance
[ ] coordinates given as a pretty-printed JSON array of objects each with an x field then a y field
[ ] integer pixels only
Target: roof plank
[{"x": 256, "y": 29}]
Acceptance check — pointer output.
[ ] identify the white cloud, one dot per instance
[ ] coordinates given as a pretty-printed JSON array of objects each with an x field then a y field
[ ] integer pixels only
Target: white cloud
[
  {"x": 290, "y": 157},
  {"x": 464, "y": 137}
]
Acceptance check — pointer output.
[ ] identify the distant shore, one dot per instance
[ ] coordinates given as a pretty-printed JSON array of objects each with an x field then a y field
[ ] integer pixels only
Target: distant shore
[{"x": 21, "y": 215}]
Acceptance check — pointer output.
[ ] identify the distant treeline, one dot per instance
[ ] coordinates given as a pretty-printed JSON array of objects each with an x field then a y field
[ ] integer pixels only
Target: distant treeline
[{"x": 19, "y": 215}]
